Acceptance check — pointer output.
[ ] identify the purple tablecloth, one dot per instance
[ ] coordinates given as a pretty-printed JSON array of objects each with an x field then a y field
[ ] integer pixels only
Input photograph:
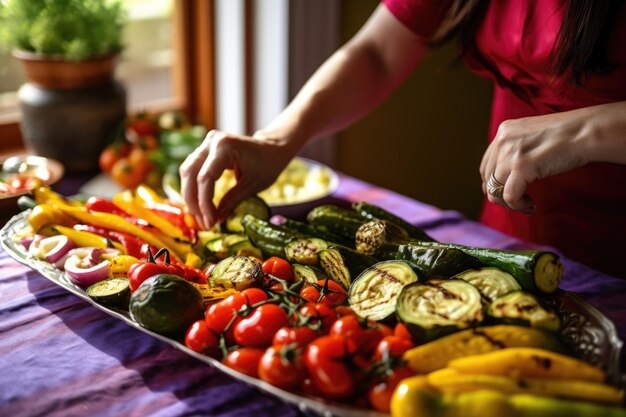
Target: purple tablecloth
[{"x": 59, "y": 356}]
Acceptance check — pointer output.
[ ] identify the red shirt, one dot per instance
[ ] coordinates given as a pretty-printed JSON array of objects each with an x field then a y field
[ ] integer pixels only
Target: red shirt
[{"x": 582, "y": 212}]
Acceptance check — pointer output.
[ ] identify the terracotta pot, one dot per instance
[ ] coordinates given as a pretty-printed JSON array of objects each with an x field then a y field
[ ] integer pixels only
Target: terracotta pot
[
  {"x": 57, "y": 73},
  {"x": 70, "y": 109}
]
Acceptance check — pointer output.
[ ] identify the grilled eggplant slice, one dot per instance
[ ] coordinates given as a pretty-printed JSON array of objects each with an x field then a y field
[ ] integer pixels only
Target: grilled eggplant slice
[
  {"x": 307, "y": 273},
  {"x": 238, "y": 272},
  {"x": 520, "y": 307},
  {"x": 305, "y": 251},
  {"x": 343, "y": 264},
  {"x": 490, "y": 282},
  {"x": 436, "y": 308},
  {"x": 374, "y": 293}
]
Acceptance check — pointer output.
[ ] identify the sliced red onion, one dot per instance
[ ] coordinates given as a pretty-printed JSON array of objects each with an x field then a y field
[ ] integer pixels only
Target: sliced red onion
[
  {"x": 26, "y": 241},
  {"x": 99, "y": 254},
  {"x": 83, "y": 274},
  {"x": 54, "y": 248},
  {"x": 278, "y": 220},
  {"x": 33, "y": 248}
]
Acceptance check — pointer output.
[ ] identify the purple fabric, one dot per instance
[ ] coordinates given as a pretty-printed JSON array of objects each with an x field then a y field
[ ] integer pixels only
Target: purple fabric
[{"x": 59, "y": 356}]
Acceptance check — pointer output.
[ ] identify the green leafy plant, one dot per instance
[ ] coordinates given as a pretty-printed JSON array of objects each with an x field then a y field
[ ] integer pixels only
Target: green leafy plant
[{"x": 72, "y": 29}]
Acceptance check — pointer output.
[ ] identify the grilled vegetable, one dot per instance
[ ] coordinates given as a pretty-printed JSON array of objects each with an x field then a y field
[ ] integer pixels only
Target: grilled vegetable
[
  {"x": 436, "y": 354},
  {"x": 372, "y": 212},
  {"x": 438, "y": 307},
  {"x": 449, "y": 381},
  {"x": 534, "y": 270},
  {"x": 305, "y": 251},
  {"x": 253, "y": 205},
  {"x": 336, "y": 220},
  {"x": 238, "y": 272},
  {"x": 307, "y": 273},
  {"x": 268, "y": 237},
  {"x": 528, "y": 363},
  {"x": 374, "y": 293},
  {"x": 343, "y": 264},
  {"x": 437, "y": 262},
  {"x": 519, "y": 307},
  {"x": 112, "y": 292},
  {"x": 491, "y": 282},
  {"x": 312, "y": 231},
  {"x": 222, "y": 244}
]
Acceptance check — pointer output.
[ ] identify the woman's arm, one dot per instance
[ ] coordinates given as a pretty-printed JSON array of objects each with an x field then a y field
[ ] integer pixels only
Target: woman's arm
[
  {"x": 353, "y": 81},
  {"x": 532, "y": 148}
]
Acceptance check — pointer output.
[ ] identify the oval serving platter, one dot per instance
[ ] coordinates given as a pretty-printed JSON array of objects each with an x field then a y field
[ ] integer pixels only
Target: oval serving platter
[{"x": 590, "y": 335}]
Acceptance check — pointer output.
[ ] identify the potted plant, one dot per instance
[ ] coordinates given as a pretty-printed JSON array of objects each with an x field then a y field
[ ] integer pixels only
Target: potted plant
[{"x": 71, "y": 105}]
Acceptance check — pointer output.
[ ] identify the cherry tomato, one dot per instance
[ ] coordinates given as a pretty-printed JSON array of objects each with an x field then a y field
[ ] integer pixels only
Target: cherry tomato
[
  {"x": 201, "y": 339},
  {"x": 320, "y": 313},
  {"x": 142, "y": 125},
  {"x": 245, "y": 360},
  {"x": 282, "y": 368},
  {"x": 149, "y": 142},
  {"x": 401, "y": 331},
  {"x": 138, "y": 159},
  {"x": 125, "y": 174},
  {"x": 141, "y": 271},
  {"x": 298, "y": 337},
  {"x": 362, "y": 336},
  {"x": 279, "y": 268},
  {"x": 257, "y": 330},
  {"x": 220, "y": 314},
  {"x": 325, "y": 291},
  {"x": 380, "y": 393},
  {"x": 392, "y": 346},
  {"x": 324, "y": 360}
]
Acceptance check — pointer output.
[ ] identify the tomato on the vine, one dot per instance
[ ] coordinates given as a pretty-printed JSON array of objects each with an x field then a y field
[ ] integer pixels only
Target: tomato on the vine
[
  {"x": 298, "y": 337},
  {"x": 279, "y": 268},
  {"x": 258, "y": 329},
  {"x": 392, "y": 346},
  {"x": 380, "y": 393},
  {"x": 126, "y": 174},
  {"x": 111, "y": 154},
  {"x": 319, "y": 313},
  {"x": 220, "y": 314},
  {"x": 282, "y": 367},
  {"x": 324, "y": 359},
  {"x": 245, "y": 360},
  {"x": 325, "y": 291},
  {"x": 362, "y": 335},
  {"x": 201, "y": 339}
]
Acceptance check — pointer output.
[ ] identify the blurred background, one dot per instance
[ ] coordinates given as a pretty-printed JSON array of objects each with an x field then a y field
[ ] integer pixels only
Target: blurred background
[{"x": 234, "y": 64}]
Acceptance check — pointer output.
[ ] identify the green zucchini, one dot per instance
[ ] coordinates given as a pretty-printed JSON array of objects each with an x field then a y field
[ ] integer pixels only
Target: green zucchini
[
  {"x": 336, "y": 220},
  {"x": 245, "y": 248},
  {"x": 436, "y": 308},
  {"x": 373, "y": 212},
  {"x": 343, "y": 264},
  {"x": 374, "y": 292},
  {"x": 535, "y": 270},
  {"x": 269, "y": 238},
  {"x": 437, "y": 262},
  {"x": 253, "y": 205},
  {"x": 112, "y": 292},
  {"x": 221, "y": 246},
  {"x": 520, "y": 307},
  {"x": 238, "y": 272},
  {"x": 307, "y": 273},
  {"x": 312, "y": 231},
  {"x": 491, "y": 282},
  {"x": 305, "y": 251},
  {"x": 372, "y": 237}
]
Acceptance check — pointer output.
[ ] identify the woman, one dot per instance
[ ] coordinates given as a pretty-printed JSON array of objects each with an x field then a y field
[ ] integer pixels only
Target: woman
[{"x": 555, "y": 170}]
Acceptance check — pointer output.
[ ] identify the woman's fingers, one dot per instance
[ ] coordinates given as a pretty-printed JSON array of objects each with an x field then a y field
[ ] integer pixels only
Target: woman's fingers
[
  {"x": 515, "y": 193},
  {"x": 188, "y": 178}
]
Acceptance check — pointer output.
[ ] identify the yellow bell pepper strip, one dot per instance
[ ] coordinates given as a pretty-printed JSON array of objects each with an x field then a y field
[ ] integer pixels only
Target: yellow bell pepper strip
[
  {"x": 44, "y": 194},
  {"x": 452, "y": 382},
  {"x": 528, "y": 363},
  {"x": 415, "y": 397},
  {"x": 126, "y": 201},
  {"x": 45, "y": 214},
  {"x": 120, "y": 265},
  {"x": 118, "y": 224},
  {"x": 84, "y": 239},
  {"x": 176, "y": 213}
]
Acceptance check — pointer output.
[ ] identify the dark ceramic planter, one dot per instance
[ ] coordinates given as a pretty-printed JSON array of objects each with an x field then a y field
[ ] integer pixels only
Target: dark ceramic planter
[{"x": 70, "y": 110}]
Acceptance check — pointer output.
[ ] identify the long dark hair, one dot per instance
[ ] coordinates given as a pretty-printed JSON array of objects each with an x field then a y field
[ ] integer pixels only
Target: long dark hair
[{"x": 581, "y": 44}]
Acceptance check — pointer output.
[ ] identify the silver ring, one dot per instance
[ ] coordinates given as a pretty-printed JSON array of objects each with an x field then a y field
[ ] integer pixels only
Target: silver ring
[{"x": 494, "y": 187}]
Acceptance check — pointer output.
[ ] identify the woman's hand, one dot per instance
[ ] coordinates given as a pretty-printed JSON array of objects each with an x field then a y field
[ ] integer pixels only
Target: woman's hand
[
  {"x": 256, "y": 162},
  {"x": 532, "y": 148}
]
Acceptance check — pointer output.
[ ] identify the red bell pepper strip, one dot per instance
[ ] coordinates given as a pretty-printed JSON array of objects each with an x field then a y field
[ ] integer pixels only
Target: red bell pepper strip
[{"x": 133, "y": 245}]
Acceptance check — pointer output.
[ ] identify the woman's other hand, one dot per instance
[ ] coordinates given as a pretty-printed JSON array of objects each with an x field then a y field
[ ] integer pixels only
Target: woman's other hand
[
  {"x": 532, "y": 148},
  {"x": 256, "y": 162}
]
